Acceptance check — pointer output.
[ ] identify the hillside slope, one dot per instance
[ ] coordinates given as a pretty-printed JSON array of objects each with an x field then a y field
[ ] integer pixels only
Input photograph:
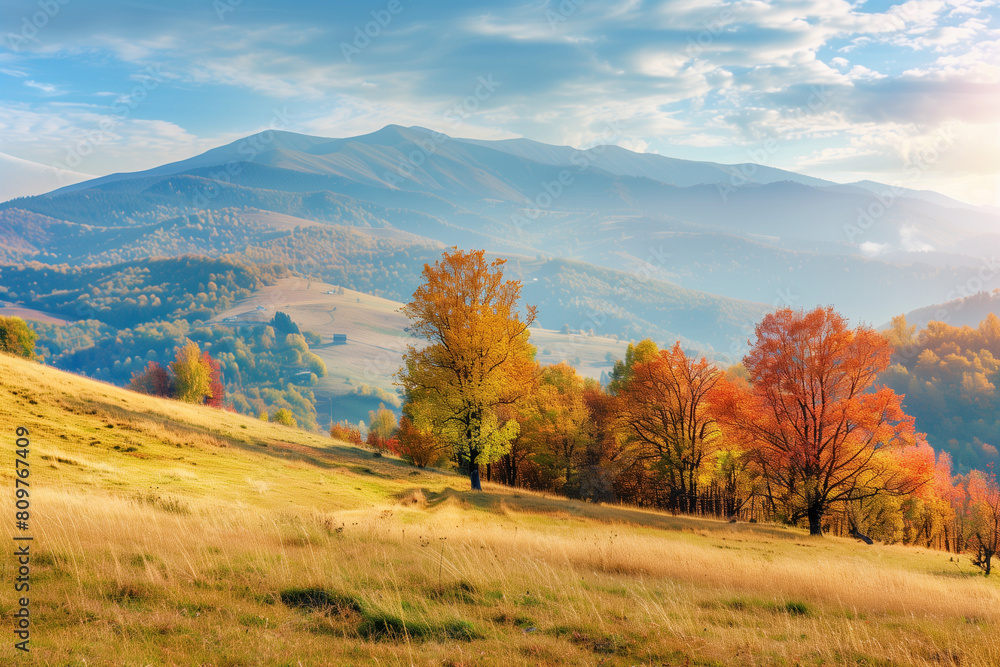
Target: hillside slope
[{"x": 177, "y": 534}]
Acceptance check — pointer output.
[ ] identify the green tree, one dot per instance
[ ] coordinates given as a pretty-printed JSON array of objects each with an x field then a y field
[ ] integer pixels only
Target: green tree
[
  {"x": 283, "y": 324},
  {"x": 478, "y": 358},
  {"x": 644, "y": 350},
  {"x": 16, "y": 337},
  {"x": 381, "y": 427},
  {"x": 284, "y": 416}
]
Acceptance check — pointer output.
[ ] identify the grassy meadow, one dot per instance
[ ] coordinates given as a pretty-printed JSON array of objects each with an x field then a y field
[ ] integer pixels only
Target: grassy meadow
[
  {"x": 377, "y": 338},
  {"x": 169, "y": 534}
]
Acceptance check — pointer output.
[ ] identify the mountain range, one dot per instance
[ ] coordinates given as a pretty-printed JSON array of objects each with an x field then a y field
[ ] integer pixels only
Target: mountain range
[{"x": 625, "y": 243}]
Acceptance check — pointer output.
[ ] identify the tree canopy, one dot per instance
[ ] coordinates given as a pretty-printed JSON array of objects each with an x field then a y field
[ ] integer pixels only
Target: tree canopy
[
  {"x": 819, "y": 430},
  {"x": 477, "y": 360},
  {"x": 16, "y": 337}
]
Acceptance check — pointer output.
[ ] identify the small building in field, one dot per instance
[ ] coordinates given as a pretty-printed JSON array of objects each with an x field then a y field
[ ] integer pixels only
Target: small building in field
[{"x": 340, "y": 339}]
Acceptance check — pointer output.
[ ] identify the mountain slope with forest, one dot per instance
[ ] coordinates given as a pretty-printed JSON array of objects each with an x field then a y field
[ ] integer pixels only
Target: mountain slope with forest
[{"x": 748, "y": 231}]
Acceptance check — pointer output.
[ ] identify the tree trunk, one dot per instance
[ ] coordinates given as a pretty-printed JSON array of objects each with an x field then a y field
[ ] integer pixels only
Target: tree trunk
[
  {"x": 858, "y": 535},
  {"x": 474, "y": 477},
  {"x": 815, "y": 513}
]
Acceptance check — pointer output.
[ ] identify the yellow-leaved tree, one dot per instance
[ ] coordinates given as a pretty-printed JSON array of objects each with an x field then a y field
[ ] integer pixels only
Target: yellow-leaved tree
[{"x": 477, "y": 361}]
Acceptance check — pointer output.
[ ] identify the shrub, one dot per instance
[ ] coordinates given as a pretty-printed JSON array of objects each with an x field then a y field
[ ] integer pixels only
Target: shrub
[
  {"x": 153, "y": 381},
  {"x": 346, "y": 432},
  {"x": 419, "y": 447},
  {"x": 284, "y": 416}
]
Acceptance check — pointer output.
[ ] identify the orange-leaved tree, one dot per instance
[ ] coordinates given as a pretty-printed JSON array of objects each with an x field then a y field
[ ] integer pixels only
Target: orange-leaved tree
[
  {"x": 663, "y": 408},
  {"x": 811, "y": 417},
  {"x": 477, "y": 360},
  {"x": 980, "y": 503}
]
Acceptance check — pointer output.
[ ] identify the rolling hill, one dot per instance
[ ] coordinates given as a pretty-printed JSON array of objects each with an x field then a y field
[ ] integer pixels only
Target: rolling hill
[
  {"x": 747, "y": 232},
  {"x": 173, "y": 533}
]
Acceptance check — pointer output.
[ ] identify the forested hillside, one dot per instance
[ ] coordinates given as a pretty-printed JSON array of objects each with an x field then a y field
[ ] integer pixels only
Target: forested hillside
[
  {"x": 949, "y": 375},
  {"x": 124, "y": 316}
]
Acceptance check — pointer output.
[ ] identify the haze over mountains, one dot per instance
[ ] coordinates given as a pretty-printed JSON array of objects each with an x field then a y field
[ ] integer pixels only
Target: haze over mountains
[
  {"x": 24, "y": 178},
  {"x": 606, "y": 239}
]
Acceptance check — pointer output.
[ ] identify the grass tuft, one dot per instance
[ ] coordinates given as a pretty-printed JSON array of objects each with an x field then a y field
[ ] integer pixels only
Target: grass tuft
[
  {"x": 380, "y": 625},
  {"x": 321, "y": 600}
]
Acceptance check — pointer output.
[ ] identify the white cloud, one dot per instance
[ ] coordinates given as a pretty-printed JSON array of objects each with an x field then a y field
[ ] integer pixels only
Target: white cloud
[
  {"x": 672, "y": 73},
  {"x": 872, "y": 249},
  {"x": 911, "y": 243},
  {"x": 46, "y": 88}
]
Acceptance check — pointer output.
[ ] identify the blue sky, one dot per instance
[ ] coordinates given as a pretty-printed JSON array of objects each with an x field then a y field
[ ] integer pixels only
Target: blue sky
[{"x": 901, "y": 93}]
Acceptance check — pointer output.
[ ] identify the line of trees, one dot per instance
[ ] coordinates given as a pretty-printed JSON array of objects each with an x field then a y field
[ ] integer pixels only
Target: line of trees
[
  {"x": 193, "y": 377},
  {"x": 799, "y": 432}
]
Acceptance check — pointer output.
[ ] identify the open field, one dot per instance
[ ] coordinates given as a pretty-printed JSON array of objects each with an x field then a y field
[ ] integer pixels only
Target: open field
[
  {"x": 376, "y": 336},
  {"x": 169, "y": 534},
  {"x": 8, "y": 309}
]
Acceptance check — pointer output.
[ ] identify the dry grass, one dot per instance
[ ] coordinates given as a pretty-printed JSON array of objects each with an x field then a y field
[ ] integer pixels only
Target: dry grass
[{"x": 211, "y": 548}]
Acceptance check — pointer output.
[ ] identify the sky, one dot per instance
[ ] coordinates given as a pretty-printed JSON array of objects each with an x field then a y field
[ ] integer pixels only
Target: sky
[{"x": 906, "y": 94}]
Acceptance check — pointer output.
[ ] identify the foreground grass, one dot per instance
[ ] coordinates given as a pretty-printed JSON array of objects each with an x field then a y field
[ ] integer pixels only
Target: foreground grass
[{"x": 174, "y": 535}]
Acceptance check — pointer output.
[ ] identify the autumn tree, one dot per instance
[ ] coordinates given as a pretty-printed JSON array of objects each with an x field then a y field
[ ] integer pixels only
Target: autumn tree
[
  {"x": 901, "y": 335},
  {"x": 381, "y": 427},
  {"x": 644, "y": 350},
  {"x": 981, "y": 514},
  {"x": 192, "y": 378},
  {"x": 153, "y": 380},
  {"x": 810, "y": 415},
  {"x": 284, "y": 416},
  {"x": 663, "y": 407},
  {"x": 477, "y": 359},
  {"x": 418, "y": 446},
  {"x": 557, "y": 428},
  {"x": 17, "y": 338},
  {"x": 344, "y": 431},
  {"x": 216, "y": 390},
  {"x": 888, "y": 517}
]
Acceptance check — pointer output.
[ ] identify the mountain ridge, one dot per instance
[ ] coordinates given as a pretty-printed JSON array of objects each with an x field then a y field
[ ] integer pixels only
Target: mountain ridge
[{"x": 784, "y": 239}]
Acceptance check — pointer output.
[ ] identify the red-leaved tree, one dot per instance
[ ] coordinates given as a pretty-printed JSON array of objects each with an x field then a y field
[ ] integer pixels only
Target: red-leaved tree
[
  {"x": 216, "y": 390},
  {"x": 981, "y": 510},
  {"x": 810, "y": 415},
  {"x": 663, "y": 409},
  {"x": 153, "y": 380}
]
